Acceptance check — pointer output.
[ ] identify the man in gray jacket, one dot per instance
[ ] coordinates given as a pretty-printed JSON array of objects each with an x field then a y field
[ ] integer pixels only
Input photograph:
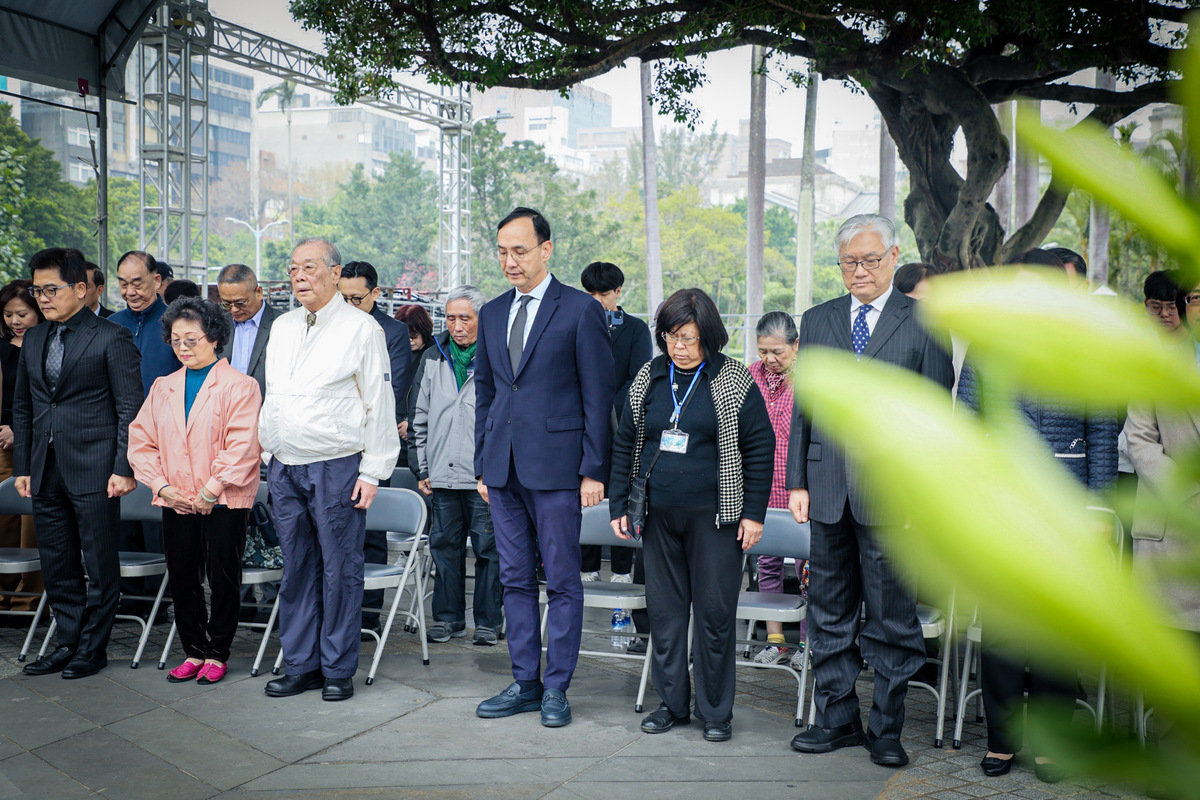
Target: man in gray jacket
[{"x": 443, "y": 436}]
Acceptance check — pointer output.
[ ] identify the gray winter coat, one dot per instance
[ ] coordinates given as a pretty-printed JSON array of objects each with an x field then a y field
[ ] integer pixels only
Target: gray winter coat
[{"x": 443, "y": 425}]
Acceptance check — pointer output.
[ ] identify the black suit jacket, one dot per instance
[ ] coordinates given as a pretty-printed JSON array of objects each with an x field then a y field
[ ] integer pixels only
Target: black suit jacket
[
  {"x": 105, "y": 311},
  {"x": 631, "y": 349},
  {"x": 400, "y": 354},
  {"x": 98, "y": 395},
  {"x": 257, "y": 367},
  {"x": 815, "y": 461}
]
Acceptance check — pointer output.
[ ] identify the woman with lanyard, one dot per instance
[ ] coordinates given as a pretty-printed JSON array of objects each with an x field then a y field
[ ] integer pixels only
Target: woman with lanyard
[{"x": 696, "y": 425}]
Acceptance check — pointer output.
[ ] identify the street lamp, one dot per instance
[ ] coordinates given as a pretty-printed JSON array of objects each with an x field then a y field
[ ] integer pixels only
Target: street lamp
[{"x": 258, "y": 233}]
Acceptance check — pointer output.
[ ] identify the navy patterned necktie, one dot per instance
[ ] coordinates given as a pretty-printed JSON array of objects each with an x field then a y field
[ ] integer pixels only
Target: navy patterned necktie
[
  {"x": 54, "y": 357},
  {"x": 860, "y": 334}
]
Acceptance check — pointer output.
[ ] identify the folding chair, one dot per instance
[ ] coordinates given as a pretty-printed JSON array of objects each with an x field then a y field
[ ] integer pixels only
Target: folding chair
[
  {"x": 403, "y": 511},
  {"x": 596, "y": 530},
  {"x": 782, "y": 537},
  {"x": 936, "y": 625},
  {"x": 16, "y": 560}
]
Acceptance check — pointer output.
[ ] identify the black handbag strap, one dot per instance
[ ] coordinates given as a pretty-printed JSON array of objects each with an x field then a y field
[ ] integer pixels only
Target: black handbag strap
[{"x": 658, "y": 448}]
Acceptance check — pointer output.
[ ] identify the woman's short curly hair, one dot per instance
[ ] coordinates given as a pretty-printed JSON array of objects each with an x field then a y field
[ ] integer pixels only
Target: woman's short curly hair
[{"x": 214, "y": 320}]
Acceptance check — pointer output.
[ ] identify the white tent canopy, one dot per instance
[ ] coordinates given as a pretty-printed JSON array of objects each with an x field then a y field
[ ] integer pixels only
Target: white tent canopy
[{"x": 61, "y": 42}]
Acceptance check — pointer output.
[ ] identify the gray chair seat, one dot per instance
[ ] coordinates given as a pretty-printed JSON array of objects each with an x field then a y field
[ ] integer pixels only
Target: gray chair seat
[
  {"x": 603, "y": 594},
  {"x": 260, "y": 575},
  {"x": 139, "y": 565},
  {"x": 933, "y": 622},
  {"x": 382, "y": 576},
  {"x": 19, "y": 559},
  {"x": 772, "y": 606}
]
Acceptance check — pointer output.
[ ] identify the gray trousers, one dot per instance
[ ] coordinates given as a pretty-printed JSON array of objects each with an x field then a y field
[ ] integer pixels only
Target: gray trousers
[{"x": 321, "y": 534}]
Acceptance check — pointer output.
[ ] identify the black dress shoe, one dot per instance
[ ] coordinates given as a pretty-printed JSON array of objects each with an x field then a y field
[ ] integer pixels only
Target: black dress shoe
[
  {"x": 662, "y": 720},
  {"x": 1049, "y": 772},
  {"x": 290, "y": 685},
  {"x": 718, "y": 731},
  {"x": 337, "y": 689},
  {"x": 886, "y": 752},
  {"x": 824, "y": 740},
  {"x": 55, "y": 662},
  {"x": 84, "y": 665},
  {"x": 995, "y": 767},
  {"x": 637, "y": 647}
]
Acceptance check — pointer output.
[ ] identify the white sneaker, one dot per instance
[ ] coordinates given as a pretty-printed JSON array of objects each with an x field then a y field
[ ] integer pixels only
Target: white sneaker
[
  {"x": 619, "y": 578},
  {"x": 589, "y": 576},
  {"x": 771, "y": 654},
  {"x": 796, "y": 662}
]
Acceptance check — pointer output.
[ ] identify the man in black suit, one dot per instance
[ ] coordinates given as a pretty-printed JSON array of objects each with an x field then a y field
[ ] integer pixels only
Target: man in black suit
[
  {"x": 95, "y": 291},
  {"x": 71, "y": 428},
  {"x": 847, "y": 567},
  {"x": 359, "y": 286}
]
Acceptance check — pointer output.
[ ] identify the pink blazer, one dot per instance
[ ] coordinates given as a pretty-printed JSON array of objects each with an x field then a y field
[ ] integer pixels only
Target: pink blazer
[{"x": 217, "y": 447}]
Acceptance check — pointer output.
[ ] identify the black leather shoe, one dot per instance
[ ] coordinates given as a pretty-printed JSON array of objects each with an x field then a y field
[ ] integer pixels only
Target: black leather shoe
[
  {"x": 290, "y": 685},
  {"x": 510, "y": 701},
  {"x": 1049, "y": 772},
  {"x": 637, "y": 647},
  {"x": 55, "y": 662},
  {"x": 84, "y": 665},
  {"x": 337, "y": 689},
  {"x": 718, "y": 731},
  {"x": 556, "y": 711},
  {"x": 662, "y": 720},
  {"x": 824, "y": 740},
  {"x": 886, "y": 752},
  {"x": 995, "y": 767}
]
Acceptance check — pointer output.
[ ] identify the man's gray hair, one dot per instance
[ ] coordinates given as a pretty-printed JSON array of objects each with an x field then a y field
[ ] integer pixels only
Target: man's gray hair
[
  {"x": 329, "y": 250},
  {"x": 865, "y": 223},
  {"x": 467, "y": 292},
  {"x": 238, "y": 273}
]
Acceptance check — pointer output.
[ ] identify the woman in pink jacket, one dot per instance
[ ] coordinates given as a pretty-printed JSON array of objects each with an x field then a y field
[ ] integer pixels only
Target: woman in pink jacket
[{"x": 195, "y": 444}]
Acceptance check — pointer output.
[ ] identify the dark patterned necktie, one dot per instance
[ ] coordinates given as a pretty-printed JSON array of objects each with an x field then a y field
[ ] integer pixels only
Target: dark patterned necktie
[
  {"x": 861, "y": 334},
  {"x": 311, "y": 319},
  {"x": 54, "y": 357},
  {"x": 516, "y": 337}
]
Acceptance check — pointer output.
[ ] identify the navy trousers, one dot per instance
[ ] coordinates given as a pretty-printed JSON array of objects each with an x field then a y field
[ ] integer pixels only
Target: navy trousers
[
  {"x": 321, "y": 533},
  {"x": 524, "y": 520}
]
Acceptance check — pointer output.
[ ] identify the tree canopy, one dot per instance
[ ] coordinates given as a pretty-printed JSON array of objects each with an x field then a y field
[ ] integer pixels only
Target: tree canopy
[{"x": 931, "y": 66}]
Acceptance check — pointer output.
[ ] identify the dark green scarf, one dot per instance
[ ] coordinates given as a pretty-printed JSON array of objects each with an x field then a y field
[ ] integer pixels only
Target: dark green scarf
[{"x": 460, "y": 359}]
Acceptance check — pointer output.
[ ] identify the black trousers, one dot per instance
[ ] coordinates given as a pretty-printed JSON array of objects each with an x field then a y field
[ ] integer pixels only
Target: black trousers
[
  {"x": 1002, "y": 683},
  {"x": 847, "y": 568},
  {"x": 622, "y": 559},
  {"x": 693, "y": 564},
  {"x": 68, "y": 525},
  {"x": 199, "y": 546}
]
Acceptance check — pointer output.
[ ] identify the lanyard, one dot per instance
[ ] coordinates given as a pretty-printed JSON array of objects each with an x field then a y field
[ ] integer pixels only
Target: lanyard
[{"x": 679, "y": 404}]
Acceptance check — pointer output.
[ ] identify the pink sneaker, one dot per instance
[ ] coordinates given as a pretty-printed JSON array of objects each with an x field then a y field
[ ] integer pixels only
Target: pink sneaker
[
  {"x": 184, "y": 672},
  {"x": 211, "y": 673}
]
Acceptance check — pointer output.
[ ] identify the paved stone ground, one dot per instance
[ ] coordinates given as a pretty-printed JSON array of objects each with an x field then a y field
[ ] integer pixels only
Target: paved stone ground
[{"x": 413, "y": 734}]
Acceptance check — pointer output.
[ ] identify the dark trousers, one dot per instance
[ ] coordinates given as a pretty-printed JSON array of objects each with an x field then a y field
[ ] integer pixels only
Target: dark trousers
[
  {"x": 198, "y": 547},
  {"x": 641, "y": 617},
  {"x": 621, "y": 559},
  {"x": 375, "y": 551},
  {"x": 1002, "y": 683},
  {"x": 321, "y": 534},
  {"x": 691, "y": 564},
  {"x": 525, "y": 519},
  {"x": 457, "y": 514},
  {"x": 67, "y": 525},
  {"x": 847, "y": 568}
]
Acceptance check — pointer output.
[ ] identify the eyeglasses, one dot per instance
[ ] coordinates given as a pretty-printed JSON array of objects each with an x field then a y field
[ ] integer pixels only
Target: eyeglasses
[
  {"x": 356, "y": 299},
  {"x": 1157, "y": 308},
  {"x": 1192, "y": 299},
  {"x": 307, "y": 269},
  {"x": 49, "y": 291},
  {"x": 190, "y": 344},
  {"x": 238, "y": 304},
  {"x": 519, "y": 253},
  {"x": 870, "y": 263},
  {"x": 688, "y": 341}
]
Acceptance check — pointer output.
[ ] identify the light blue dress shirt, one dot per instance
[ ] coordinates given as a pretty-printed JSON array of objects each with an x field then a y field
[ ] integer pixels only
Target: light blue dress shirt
[{"x": 243, "y": 341}]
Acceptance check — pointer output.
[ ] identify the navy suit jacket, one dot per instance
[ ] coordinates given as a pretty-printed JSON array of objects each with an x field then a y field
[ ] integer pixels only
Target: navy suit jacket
[
  {"x": 550, "y": 419},
  {"x": 400, "y": 354}
]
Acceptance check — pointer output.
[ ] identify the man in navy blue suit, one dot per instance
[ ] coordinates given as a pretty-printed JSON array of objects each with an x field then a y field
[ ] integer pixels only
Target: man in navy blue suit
[{"x": 543, "y": 396}]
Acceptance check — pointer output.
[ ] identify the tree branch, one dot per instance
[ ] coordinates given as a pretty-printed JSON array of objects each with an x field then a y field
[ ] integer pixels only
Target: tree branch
[{"x": 1157, "y": 92}]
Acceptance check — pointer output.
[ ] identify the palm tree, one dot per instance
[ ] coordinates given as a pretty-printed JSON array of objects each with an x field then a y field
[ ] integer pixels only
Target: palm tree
[{"x": 284, "y": 94}]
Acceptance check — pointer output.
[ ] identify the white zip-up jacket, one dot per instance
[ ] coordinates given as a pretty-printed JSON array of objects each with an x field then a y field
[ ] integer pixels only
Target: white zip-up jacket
[{"x": 329, "y": 392}]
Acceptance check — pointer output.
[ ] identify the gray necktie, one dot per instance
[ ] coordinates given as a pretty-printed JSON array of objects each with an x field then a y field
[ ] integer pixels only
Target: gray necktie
[
  {"x": 516, "y": 337},
  {"x": 54, "y": 357}
]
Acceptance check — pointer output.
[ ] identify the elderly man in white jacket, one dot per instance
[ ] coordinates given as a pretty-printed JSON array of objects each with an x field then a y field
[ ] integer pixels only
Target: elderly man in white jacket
[
  {"x": 328, "y": 423},
  {"x": 443, "y": 437}
]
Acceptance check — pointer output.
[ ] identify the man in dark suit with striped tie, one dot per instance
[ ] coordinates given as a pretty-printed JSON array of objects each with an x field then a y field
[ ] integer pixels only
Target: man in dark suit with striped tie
[
  {"x": 847, "y": 568},
  {"x": 71, "y": 428}
]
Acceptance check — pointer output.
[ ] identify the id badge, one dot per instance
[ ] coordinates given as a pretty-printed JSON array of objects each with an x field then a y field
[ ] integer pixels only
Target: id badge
[{"x": 674, "y": 441}]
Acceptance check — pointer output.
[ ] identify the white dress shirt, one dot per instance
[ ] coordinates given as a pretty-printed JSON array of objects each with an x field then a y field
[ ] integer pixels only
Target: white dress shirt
[
  {"x": 876, "y": 309},
  {"x": 329, "y": 391},
  {"x": 243, "y": 341},
  {"x": 537, "y": 293}
]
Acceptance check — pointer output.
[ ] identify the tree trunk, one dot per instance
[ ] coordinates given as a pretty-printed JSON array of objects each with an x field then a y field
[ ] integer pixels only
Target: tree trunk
[
  {"x": 806, "y": 222},
  {"x": 654, "y": 286},
  {"x": 1099, "y": 223},
  {"x": 1002, "y": 195},
  {"x": 1026, "y": 178},
  {"x": 887, "y": 172},
  {"x": 756, "y": 187},
  {"x": 291, "y": 208}
]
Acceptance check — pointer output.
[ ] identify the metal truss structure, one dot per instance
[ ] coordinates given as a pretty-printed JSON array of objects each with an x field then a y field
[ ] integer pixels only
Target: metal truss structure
[{"x": 183, "y": 31}]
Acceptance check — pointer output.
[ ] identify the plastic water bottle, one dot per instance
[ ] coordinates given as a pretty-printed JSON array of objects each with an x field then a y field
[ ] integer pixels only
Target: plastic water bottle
[{"x": 622, "y": 626}]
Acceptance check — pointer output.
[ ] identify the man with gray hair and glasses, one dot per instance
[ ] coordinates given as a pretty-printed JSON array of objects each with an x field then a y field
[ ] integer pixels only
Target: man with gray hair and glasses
[
  {"x": 328, "y": 422},
  {"x": 847, "y": 567},
  {"x": 443, "y": 438}
]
